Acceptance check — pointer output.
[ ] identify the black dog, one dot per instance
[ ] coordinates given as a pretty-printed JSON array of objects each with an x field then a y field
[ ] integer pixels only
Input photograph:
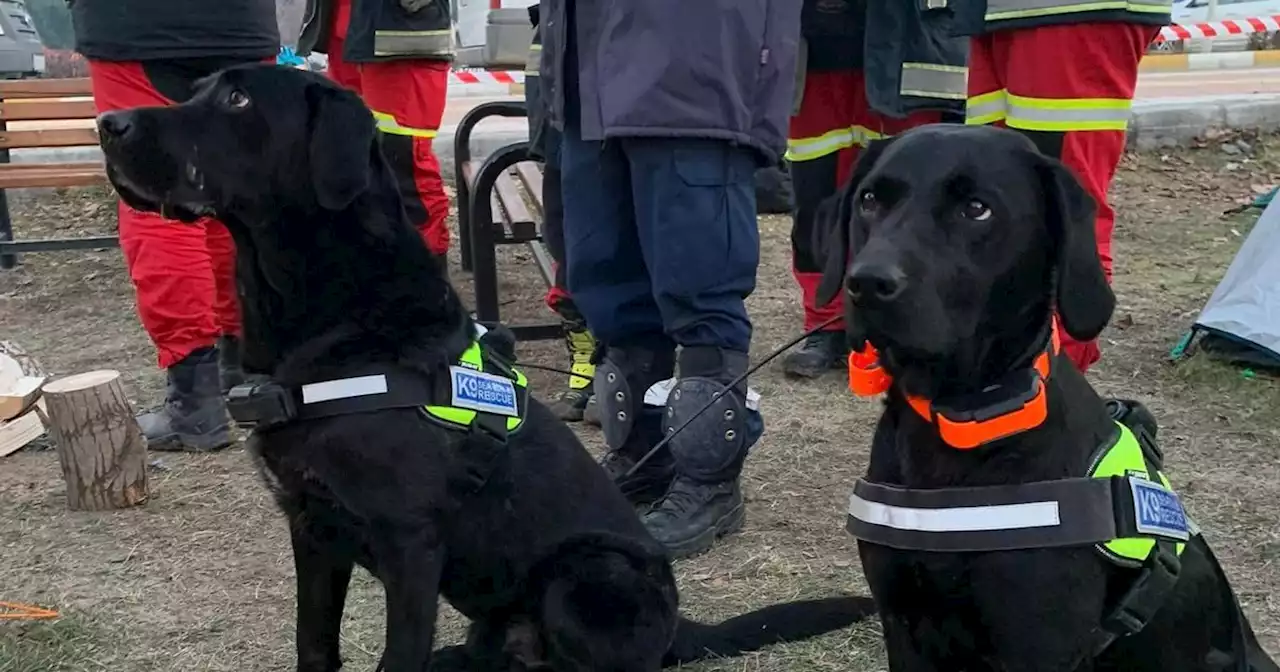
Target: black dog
[
  {"x": 514, "y": 524},
  {"x": 953, "y": 245}
]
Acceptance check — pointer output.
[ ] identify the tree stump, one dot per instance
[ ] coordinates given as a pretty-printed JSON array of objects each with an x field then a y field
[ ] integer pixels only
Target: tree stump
[{"x": 101, "y": 448}]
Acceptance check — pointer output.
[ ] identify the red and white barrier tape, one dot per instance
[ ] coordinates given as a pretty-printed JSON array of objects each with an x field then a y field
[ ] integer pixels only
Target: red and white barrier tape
[
  {"x": 478, "y": 76},
  {"x": 1193, "y": 31}
]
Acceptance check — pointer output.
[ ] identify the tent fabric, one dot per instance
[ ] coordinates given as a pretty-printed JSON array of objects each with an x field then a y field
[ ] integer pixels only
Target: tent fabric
[{"x": 1245, "y": 307}]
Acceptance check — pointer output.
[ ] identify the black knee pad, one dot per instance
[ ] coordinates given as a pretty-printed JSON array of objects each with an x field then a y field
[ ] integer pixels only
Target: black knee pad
[{"x": 622, "y": 378}]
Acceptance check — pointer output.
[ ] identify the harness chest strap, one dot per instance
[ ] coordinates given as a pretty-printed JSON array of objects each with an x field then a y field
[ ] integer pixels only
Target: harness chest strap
[{"x": 470, "y": 398}]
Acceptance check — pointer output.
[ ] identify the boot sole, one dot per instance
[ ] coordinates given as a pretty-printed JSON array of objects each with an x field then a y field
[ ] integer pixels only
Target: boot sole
[
  {"x": 727, "y": 524},
  {"x": 177, "y": 444},
  {"x": 792, "y": 370}
]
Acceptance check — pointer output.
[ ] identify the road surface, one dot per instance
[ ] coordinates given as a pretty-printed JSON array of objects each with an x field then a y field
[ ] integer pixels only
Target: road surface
[{"x": 1151, "y": 86}]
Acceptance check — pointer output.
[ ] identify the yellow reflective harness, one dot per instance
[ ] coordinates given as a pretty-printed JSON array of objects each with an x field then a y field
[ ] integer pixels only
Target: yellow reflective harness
[{"x": 1124, "y": 507}]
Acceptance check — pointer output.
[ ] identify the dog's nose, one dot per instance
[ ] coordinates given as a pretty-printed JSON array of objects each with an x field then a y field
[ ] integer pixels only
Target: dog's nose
[
  {"x": 879, "y": 282},
  {"x": 114, "y": 124}
]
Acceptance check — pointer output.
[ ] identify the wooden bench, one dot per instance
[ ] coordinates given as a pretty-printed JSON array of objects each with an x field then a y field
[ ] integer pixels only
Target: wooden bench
[
  {"x": 44, "y": 113},
  {"x": 499, "y": 203}
]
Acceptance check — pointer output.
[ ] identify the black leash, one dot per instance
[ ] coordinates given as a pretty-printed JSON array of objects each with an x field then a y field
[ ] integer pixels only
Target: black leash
[
  {"x": 732, "y": 384},
  {"x": 727, "y": 388}
]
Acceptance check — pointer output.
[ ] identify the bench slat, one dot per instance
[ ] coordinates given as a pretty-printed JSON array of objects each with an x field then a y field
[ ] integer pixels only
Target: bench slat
[
  {"x": 521, "y": 222},
  {"x": 46, "y": 88},
  {"x": 42, "y": 110},
  {"x": 54, "y": 137},
  {"x": 19, "y": 175},
  {"x": 531, "y": 176}
]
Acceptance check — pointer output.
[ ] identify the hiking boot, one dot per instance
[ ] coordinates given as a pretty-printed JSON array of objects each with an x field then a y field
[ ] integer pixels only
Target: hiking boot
[
  {"x": 571, "y": 403},
  {"x": 692, "y": 515},
  {"x": 194, "y": 416},
  {"x": 591, "y": 413},
  {"x": 820, "y": 352},
  {"x": 230, "y": 370}
]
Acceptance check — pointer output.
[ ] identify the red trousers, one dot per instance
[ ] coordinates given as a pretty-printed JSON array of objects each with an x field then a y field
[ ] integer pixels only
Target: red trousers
[
  {"x": 826, "y": 135},
  {"x": 184, "y": 275},
  {"x": 1075, "y": 108},
  {"x": 408, "y": 98}
]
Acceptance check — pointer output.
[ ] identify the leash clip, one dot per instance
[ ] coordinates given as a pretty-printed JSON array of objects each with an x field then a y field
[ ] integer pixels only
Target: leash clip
[{"x": 260, "y": 405}]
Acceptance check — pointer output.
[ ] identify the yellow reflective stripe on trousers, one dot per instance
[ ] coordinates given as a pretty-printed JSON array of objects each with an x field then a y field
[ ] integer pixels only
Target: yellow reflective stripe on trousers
[
  {"x": 409, "y": 42},
  {"x": 987, "y": 108},
  {"x": 930, "y": 80},
  {"x": 1073, "y": 114},
  {"x": 533, "y": 60},
  {"x": 388, "y": 124},
  {"x": 808, "y": 149},
  {"x": 1004, "y": 10}
]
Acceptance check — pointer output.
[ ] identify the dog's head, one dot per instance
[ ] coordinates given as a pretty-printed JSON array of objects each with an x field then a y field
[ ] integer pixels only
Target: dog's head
[
  {"x": 952, "y": 244},
  {"x": 251, "y": 139}
]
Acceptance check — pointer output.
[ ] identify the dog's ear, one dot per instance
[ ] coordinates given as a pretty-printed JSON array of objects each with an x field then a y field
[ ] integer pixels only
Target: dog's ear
[
  {"x": 1084, "y": 298},
  {"x": 833, "y": 221},
  {"x": 342, "y": 133}
]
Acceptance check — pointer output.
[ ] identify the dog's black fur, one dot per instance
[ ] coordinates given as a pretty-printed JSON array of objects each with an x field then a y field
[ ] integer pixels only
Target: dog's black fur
[
  {"x": 964, "y": 240},
  {"x": 547, "y": 558}
]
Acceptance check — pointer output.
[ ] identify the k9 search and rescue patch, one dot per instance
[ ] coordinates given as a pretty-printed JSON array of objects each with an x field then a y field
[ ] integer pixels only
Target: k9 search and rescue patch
[
  {"x": 483, "y": 392},
  {"x": 1157, "y": 510}
]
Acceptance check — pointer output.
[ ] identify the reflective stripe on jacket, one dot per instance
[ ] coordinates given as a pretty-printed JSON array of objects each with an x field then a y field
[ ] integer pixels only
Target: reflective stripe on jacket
[
  {"x": 977, "y": 17},
  {"x": 383, "y": 30}
]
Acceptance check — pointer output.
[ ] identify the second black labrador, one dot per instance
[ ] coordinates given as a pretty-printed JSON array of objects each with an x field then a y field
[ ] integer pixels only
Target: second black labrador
[
  {"x": 953, "y": 245},
  {"x": 528, "y": 538}
]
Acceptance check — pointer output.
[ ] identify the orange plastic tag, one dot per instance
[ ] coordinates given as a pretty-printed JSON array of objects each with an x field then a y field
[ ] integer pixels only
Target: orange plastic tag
[{"x": 866, "y": 377}]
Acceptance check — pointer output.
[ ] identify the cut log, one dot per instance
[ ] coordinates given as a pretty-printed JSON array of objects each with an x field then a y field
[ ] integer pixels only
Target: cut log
[
  {"x": 20, "y": 379},
  {"x": 101, "y": 448}
]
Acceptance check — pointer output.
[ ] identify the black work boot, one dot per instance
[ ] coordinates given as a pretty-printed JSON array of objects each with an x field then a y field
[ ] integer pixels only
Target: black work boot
[
  {"x": 230, "y": 370},
  {"x": 194, "y": 416},
  {"x": 632, "y": 428},
  {"x": 711, "y": 430},
  {"x": 819, "y": 353},
  {"x": 692, "y": 515},
  {"x": 572, "y": 401},
  {"x": 591, "y": 413},
  {"x": 652, "y": 479}
]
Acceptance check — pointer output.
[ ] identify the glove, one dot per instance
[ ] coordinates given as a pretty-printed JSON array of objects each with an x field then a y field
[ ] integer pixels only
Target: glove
[{"x": 413, "y": 6}]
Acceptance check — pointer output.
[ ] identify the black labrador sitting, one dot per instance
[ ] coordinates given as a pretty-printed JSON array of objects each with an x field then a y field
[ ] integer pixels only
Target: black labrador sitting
[
  {"x": 512, "y": 521},
  {"x": 953, "y": 246}
]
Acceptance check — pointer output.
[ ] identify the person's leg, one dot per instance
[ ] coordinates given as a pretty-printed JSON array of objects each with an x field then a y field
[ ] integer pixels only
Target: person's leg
[
  {"x": 572, "y": 401},
  {"x": 609, "y": 282},
  {"x": 226, "y": 305},
  {"x": 408, "y": 98},
  {"x": 1077, "y": 110},
  {"x": 339, "y": 70},
  {"x": 694, "y": 203},
  {"x": 822, "y": 134},
  {"x": 173, "y": 275}
]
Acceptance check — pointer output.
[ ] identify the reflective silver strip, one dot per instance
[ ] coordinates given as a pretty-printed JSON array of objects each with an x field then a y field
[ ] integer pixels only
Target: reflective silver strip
[
  {"x": 413, "y": 43},
  {"x": 1003, "y": 10},
  {"x": 928, "y": 80},
  {"x": 344, "y": 388},
  {"x": 533, "y": 61},
  {"x": 956, "y": 519},
  {"x": 1044, "y": 114}
]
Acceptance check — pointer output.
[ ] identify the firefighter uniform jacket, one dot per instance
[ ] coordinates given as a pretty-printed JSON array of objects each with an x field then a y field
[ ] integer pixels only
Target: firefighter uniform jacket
[
  {"x": 979, "y": 17},
  {"x": 383, "y": 30},
  {"x": 906, "y": 50}
]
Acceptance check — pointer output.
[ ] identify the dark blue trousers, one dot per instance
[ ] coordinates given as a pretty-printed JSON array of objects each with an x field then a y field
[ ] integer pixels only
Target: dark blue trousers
[{"x": 661, "y": 238}]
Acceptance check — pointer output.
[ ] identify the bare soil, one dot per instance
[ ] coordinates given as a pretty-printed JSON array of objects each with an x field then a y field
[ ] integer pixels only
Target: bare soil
[{"x": 200, "y": 578}]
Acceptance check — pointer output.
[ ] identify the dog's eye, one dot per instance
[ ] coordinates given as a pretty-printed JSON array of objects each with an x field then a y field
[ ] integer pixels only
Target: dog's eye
[
  {"x": 868, "y": 204},
  {"x": 237, "y": 99},
  {"x": 976, "y": 210}
]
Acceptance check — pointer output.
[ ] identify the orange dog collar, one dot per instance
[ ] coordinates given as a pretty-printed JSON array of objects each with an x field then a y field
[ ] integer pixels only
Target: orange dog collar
[{"x": 1015, "y": 404}]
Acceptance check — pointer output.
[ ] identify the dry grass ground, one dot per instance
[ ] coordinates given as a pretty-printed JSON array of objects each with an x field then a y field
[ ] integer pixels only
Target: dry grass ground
[{"x": 201, "y": 577}]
